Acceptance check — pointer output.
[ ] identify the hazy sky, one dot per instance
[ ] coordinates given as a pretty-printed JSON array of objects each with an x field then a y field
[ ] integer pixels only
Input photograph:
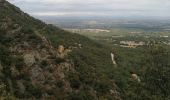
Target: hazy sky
[{"x": 92, "y": 8}]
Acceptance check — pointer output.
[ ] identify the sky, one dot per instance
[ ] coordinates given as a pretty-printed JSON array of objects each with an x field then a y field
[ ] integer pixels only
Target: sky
[{"x": 93, "y": 8}]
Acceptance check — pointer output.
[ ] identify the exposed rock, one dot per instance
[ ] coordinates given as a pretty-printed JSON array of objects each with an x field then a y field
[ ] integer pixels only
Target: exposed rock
[
  {"x": 62, "y": 69},
  {"x": 4, "y": 26},
  {"x": 38, "y": 56},
  {"x": 67, "y": 66},
  {"x": 61, "y": 49},
  {"x": 21, "y": 86},
  {"x": 62, "y": 52},
  {"x": 135, "y": 77},
  {"x": 67, "y": 51},
  {"x": 16, "y": 30},
  {"x": 80, "y": 45},
  {"x": 113, "y": 58},
  {"x": 29, "y": 59},
  {"x": 14, "y": 72},
  {"x": 37, "y": 73},
  {"x": 77, "y": 46},
  {"x": 26, "y": 44},
  {"x": 115, "y": 94},
  {"x": 46, "y": 41}
]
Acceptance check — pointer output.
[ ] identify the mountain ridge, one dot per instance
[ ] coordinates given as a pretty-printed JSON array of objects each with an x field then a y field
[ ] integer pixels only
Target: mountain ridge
[{"x": 36, "y": 63}]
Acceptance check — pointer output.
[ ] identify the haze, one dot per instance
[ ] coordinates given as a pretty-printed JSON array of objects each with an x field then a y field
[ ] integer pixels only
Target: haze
[{"x": 95, "y": 8}]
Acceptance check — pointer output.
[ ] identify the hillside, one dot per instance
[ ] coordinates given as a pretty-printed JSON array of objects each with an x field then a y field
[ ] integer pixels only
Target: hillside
[{"x": 40, "y": 61}]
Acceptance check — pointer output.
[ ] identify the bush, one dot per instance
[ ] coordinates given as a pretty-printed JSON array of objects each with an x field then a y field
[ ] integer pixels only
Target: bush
[
  {"x": 59, "y": 60},
  {"x": 34, "y": 91},
  {"x": 74, "y": 80},
  {"x": 60, "y": 84},
  {"x": 19, "y": 62},
  {"x": 81, "y": 95},
  {"x": 44, "y": 63}
]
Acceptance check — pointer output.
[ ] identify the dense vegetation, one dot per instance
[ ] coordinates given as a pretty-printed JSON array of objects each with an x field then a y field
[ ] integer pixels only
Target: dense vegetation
[{"x": 152, "y": 66}]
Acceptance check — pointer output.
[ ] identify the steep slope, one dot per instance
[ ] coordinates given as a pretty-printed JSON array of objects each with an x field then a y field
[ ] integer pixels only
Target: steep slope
[
  {"x": 42, "y": 61},
  {"x": 32, "y": 67}
]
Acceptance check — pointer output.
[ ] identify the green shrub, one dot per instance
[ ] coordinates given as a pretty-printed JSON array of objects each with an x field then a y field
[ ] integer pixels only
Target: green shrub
[
  {"x": 74, "y": 80},
  {"x": 34, "y": 91}
]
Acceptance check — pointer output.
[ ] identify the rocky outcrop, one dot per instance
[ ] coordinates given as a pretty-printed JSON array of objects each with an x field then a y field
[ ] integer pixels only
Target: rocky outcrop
[
  {"x": 40, "y": 69},
  {"x": 61, "y": 49},
  {"x": 113, "y": 58},
  {"x": 29, "y": 59},
  {"x": 135, "y": 77},
  {"x": 115, "y": 94},
  {"x": 62, "y": 52}
]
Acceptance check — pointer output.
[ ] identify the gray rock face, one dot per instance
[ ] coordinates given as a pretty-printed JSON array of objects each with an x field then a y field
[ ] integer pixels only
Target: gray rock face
[{"x": 29, "y": 59}]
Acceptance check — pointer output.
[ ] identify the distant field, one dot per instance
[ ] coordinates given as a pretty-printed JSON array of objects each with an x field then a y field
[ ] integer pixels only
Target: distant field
[
  {"x": 132, "y": 33},
  {"x": 120, "y": 32},
  {"x": 129, "y": 37}
]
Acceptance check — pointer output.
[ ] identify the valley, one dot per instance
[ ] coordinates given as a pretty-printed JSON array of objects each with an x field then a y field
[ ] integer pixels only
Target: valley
[{"x": 125, "y": 37}]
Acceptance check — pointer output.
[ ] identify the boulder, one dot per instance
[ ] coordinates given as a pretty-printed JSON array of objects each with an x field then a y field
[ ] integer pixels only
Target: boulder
[
  {"x": 29, "y": 59},
  {"x": 135, "y": 77},
  {"x": 61, "y": 49},
  {"x": 62, "y": 52}
]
